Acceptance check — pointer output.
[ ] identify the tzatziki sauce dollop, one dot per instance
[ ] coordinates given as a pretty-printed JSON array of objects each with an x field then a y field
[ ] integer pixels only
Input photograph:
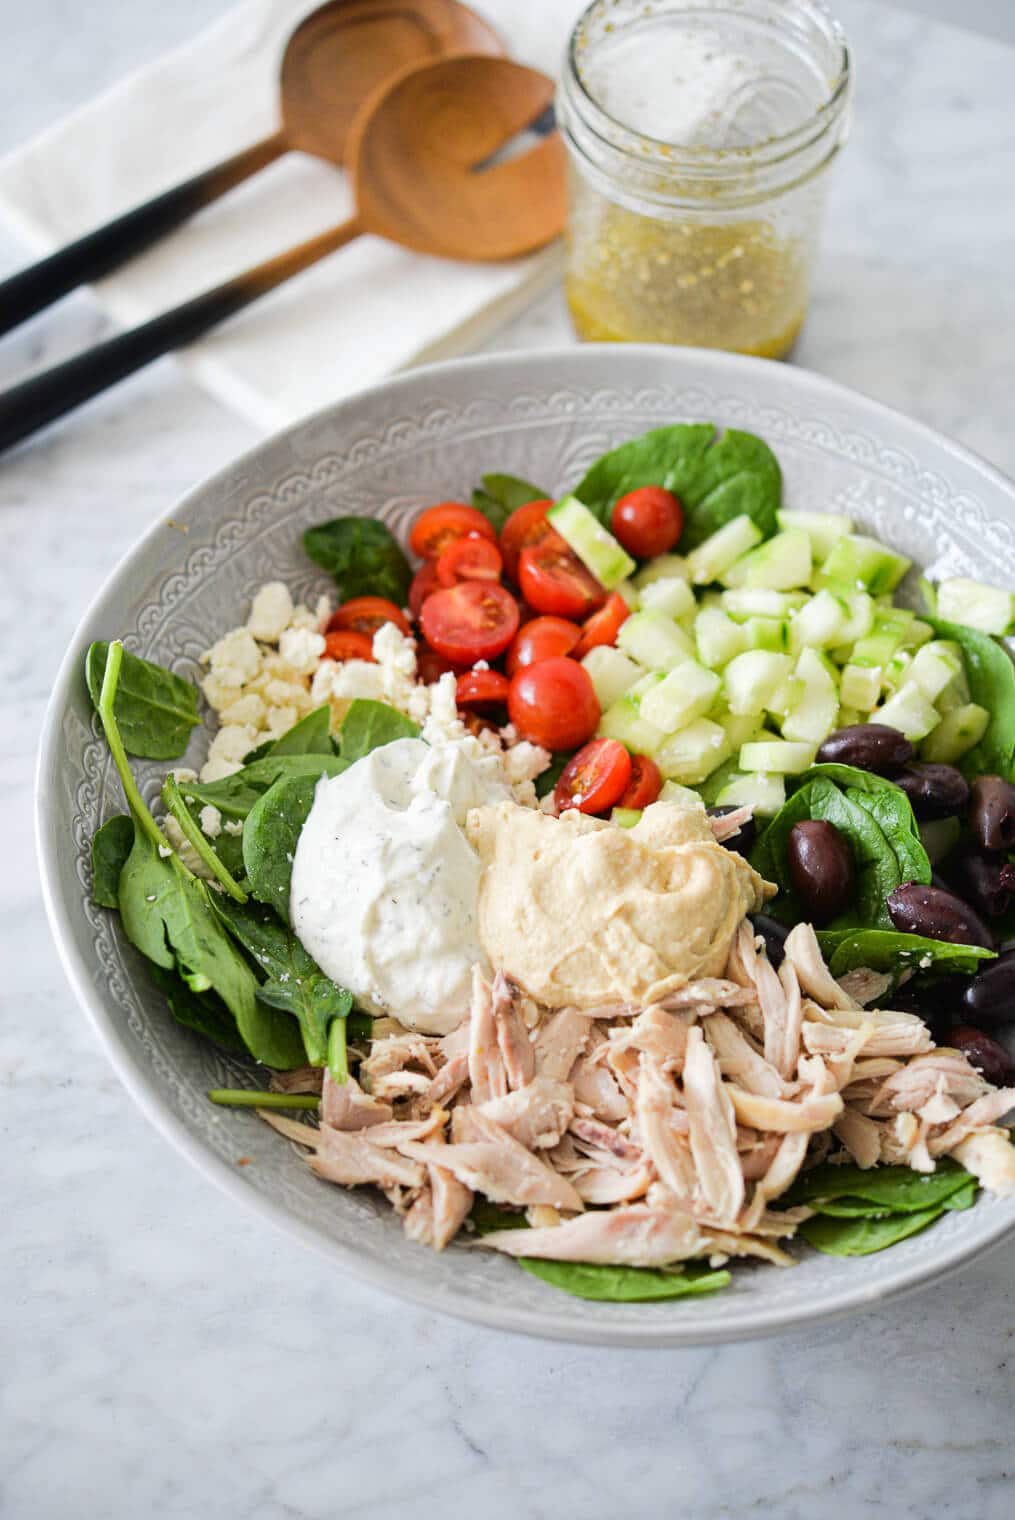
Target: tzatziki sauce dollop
[{"x": 385, "y": 885}]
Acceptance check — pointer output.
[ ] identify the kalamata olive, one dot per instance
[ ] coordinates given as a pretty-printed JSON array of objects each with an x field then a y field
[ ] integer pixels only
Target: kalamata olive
[
  {"x": 820, "y": 867},
  {"x": 937, "y": 914},
  {"x": 992, "y": 812},
  {"x": 742, "y": 843},
  {"x": 934, "y": 791},
  {"x": 986, "y": 880},
  {"x": 868, "y": 746},
  {"x": 989, "y": 1058},
  {"x": 989, "y": 997},
  {"x": 774, "y": 934}
]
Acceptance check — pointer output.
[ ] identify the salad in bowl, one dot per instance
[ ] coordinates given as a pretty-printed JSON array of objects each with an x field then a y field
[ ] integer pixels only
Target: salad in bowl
[{"x": 619, "y": 884}]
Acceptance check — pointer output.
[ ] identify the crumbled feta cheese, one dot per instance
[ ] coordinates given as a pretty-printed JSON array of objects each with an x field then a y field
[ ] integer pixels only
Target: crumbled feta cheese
[
  {"x": 164, "y": 851},
  {"x": 281, "y": 720},
  {"x": 284, "y": 694},
  {"x": 246, "y": 709},
  {"x": 270, "y": 612},
  {"x": 210, "y": 820},
  {"x": 322, "y": 612},
  {"x": 218, "y": 770},
  {"x": 345, "y": 680},
  {"x": 184, "y": 849},
  {"x": 525, "y": 761},
  {"x": 301, "y": 649},
  {"x": 525, "y": 794},
  {"x": 232, "y": 742},
  {"x": 235, "y": 659},
  {"x": 481, "y": 665},
  {"x": 184, "y": 774},
  {"x": 302, "y": 617},
  {"x": 233, "y": 825},
  {"x": 443, "y": 723}
]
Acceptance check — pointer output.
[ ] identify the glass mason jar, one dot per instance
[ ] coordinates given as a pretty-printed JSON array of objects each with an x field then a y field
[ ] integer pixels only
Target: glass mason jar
[{"x": 700, "y": 135}]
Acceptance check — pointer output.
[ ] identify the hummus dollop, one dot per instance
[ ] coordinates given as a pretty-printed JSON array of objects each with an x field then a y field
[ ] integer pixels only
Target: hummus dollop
[{"x": 580, "y": 912}]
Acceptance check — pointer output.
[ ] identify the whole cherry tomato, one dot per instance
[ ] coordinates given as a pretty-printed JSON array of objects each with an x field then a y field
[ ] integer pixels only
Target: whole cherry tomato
[
  {"x": 439, "y": 526},
  {"x": 595, "y": 779},
  {"x": 475, "y": 620},
  {"x": 648, "y": 521},
  {"x": 541, "y": 639},
  {"x": 603, "y": 626},
  {"x": 365, "y": 614},
  {"x": 554, "y": 704}
]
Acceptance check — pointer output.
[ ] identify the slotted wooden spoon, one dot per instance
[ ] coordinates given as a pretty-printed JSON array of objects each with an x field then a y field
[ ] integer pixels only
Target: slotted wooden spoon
[
  {"x": 419, "y": 157},
  {"x": 334, "y": 60}
]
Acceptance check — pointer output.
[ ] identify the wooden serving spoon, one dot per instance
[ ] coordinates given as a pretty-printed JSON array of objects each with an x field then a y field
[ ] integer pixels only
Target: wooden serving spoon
[
  {"x": 333, "y": 62},
  {"x": 420, "y": 154}
]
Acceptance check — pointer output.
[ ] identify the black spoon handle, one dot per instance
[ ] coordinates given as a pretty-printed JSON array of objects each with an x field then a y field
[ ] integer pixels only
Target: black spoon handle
[
  {"x": 98, "y": 252},
  {"x": 31, "y": 405}
]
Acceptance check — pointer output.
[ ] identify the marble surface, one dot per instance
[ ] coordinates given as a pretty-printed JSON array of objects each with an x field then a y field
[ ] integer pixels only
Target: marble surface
[{"x": 165, "y": 1355}]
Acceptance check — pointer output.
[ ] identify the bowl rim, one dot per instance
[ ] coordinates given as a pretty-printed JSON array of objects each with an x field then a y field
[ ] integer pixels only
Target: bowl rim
[{"x": 145, "y": 1091}]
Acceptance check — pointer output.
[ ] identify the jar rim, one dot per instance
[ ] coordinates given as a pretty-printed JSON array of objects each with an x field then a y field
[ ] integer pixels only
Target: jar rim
[{"x": 732, "y": 160}]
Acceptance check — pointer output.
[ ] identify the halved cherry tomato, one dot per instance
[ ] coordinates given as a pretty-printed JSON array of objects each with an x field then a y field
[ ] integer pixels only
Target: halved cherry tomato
[
  {"x": 481, "y": 688},
  {"x": 554, "y": 704},
  {"x": 541, "y": 639},
  {"x": 475, "y": 620},
  {"x": 424, "y": 583},
  {"x": 347, "y": 644},
  {"x": 594, "y": 779},
  {"x": 439, "y": 526},
  {"x": 553, "y": 579},
  {"x": 365, "y": 614},
  {"x": 430, "y": 665},
  {"x": 645, "y": 784},
  {"x": 603, "y": 626},
  {"x": 526, "y": 525},
  {"x": 469, "y": 559},
  {"x": 648, "y": 521}
]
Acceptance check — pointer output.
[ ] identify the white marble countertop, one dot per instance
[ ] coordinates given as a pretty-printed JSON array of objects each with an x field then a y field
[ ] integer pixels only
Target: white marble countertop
[{"x": 165, "y": 1354}]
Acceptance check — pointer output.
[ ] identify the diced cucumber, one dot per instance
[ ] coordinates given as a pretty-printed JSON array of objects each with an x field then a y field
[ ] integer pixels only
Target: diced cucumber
[
  {"x": 673, "y": 792},
  {"x": 611, "y": 672},
  {"x": 717, "y": 638},
  {"x": 624, "y": 721},
  {"x": 957, "y": 732},
  {"x": 625, "y": 818},
  {"x": 814, "y": 716},
  {"x": 847, "y": 716},
  {"x": 856, "y": 563},
  {"x": 939, "y": 836},
  {"x": 860, "y": 619},
  {"x": 781, "y": 564},
  {"x": 786, "y": 696},
  {"x": 670, "y": 595},
  {"x": 778, "y": 755},
  {"x": 909, "y": 711},
  {"x": 823, "y": 528},
  {"x": 767, "y": 604},
  {"x": 916, "y": 634},
  {"x": 629, "y": 591},
  {"x": 935, "y": 666},
  {"x": 986, "y": 608},
  {"x": 766, "y": 794},
  {"x": 820, "y": 623},
  {"x": 767, "y": 633},
  {"x": 861, "y": 686},
  {"x": 721, "y": 549},
  {"x": 693, "y": 753},
  {"x": 751, "y": 679},
  {"x": 741, "y": 728},
  {"x": 594, "y": 545},
  {"x": 885, "y": 637},
  {"x": 654, "y": 640},
  {"x": 646, "y": 683},
  {"x": 663, "y": 567},
  {"x": 685, "y": 694},
  {"x": 897, "y": 670}
]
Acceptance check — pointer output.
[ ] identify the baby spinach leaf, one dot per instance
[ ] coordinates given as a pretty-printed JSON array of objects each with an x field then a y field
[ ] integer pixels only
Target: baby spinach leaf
[
  {"x": 991, "y": 677},
  {"x": 198, "y": 839},
  {"x": 235, "y": 795},
  {"x": 863, "y": 1237},
  {"x": 715, "y": 479},
  {"x": 111, "y": 844},
  {"x": 850, "y": 1208},
  {"x": 549, "y": 778},
  {"x": 270, "y": 836},
  {"x": 897, "y": 1188},
  {"x": 889, "y": 951},
  {"x": 623, "y": 1285},
  {"x": 294, "y": 983},
  {"x": 367, "y": 725},
  {"x": 363, "y": 557},
  {"x": 963, "y": 1198},
  {"x": 310, "y": 736},
  {"x": 486, "y": 1217},
  {"x": 155, "y": 709},
  {"x": 203, "y": 1012},
  {"x": 876, "y": 819},
  {"x": 497, "y": 496}
]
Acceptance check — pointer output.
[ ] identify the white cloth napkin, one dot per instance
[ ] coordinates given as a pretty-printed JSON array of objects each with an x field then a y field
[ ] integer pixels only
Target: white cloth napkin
[{"x": 360, "y": 314}]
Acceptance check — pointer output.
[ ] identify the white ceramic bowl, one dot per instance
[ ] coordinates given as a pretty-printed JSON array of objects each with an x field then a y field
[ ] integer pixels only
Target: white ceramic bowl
[{"x": 428, "y": 437}]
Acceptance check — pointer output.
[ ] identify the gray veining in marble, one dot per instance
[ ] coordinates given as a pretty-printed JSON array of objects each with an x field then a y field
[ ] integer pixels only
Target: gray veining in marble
[{"x": 165, "y": 1355}]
